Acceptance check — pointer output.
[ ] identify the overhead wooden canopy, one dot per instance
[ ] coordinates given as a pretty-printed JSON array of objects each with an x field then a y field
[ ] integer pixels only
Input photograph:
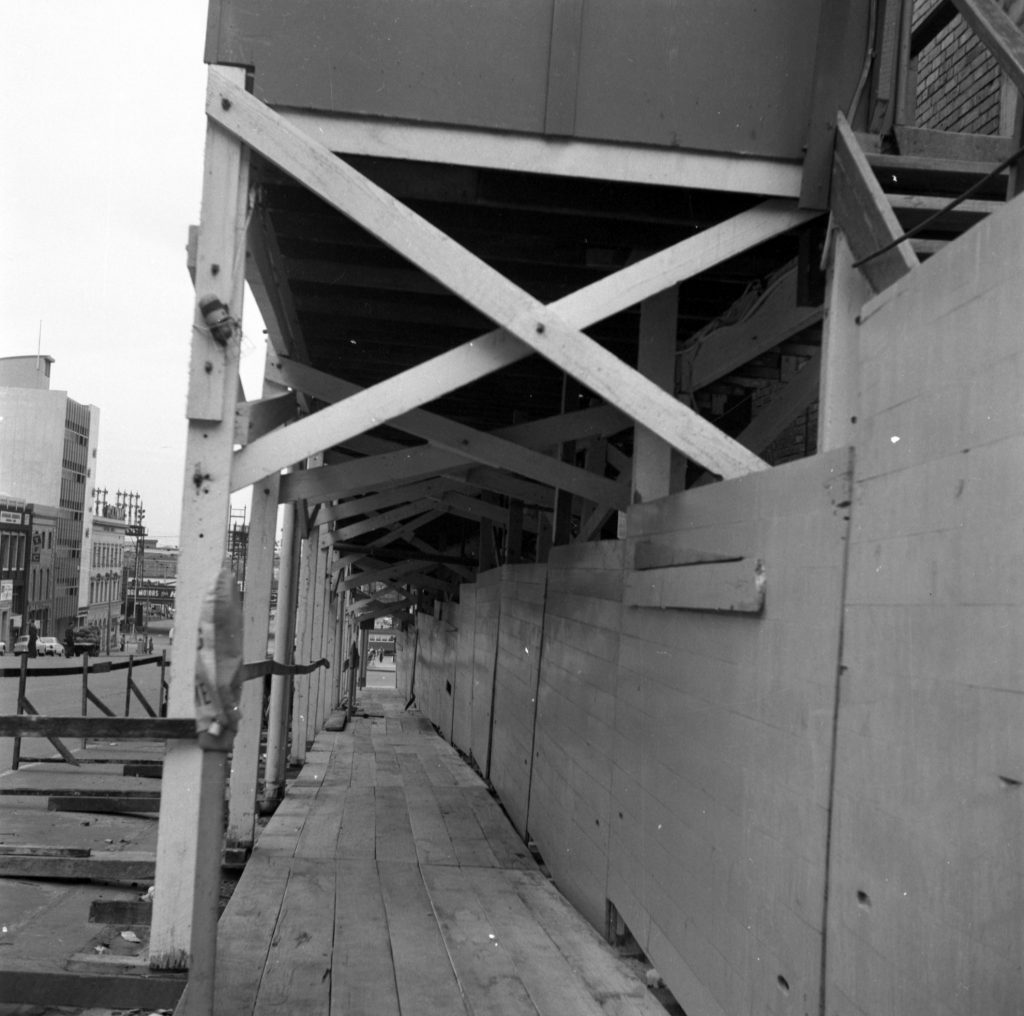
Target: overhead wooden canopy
[{"x": 384, "y": 281}]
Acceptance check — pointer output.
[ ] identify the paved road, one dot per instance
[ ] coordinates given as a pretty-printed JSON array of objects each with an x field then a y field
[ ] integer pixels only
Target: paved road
[{"x": 61, "y": 695}]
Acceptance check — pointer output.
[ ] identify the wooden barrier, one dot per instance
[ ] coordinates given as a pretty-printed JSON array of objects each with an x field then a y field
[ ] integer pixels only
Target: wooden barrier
[{"x": 27, "y": 722}]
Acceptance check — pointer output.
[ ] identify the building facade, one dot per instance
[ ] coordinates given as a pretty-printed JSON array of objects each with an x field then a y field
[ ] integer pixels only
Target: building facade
[
  {"x": 48, "y": 457},
  {"x": 105, "y": 588},
  {"x": 15, "y": 537},
  {"x": 44, "y": 610}
]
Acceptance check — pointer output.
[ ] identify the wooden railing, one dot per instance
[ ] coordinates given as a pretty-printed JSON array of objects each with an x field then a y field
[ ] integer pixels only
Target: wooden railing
[
  {"x": 27, "y": 722},
  {"x": 24, "y": 707}
]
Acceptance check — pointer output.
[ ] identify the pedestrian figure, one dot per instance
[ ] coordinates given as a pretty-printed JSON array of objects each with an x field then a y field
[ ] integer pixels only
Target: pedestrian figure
[
  {"x": 32, "y": 641},
  {"x": 353, "y": 663}
]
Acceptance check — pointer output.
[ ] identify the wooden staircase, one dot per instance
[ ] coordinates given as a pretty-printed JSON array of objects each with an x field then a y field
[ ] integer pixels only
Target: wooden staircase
[{"x": 922, "y": 171}]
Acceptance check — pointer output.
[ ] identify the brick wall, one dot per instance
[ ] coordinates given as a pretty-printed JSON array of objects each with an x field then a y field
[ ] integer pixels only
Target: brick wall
[{"x": 958, "y": 81}]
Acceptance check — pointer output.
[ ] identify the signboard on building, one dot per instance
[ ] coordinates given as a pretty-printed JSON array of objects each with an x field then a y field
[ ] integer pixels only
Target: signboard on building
[
  {"x": 12, "y": 518},
  {"x": 6, "y": 590}
]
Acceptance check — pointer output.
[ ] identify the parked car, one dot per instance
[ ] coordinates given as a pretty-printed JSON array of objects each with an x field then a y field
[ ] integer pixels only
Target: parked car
[
  {"x": 47, "y": 645},
  {"x": 3, "y": 647},
  {"x": 21, "y": 646}
]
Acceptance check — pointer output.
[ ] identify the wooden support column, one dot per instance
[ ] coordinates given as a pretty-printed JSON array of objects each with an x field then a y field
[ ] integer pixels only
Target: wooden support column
[
  {"x": 321, "y": 605},
  {"x": 487, "y": 558},
  {"x": 284, "y": 637},
  {"x": 259, "y": 571},
  {"x": 514, "y": 532},
  {"x": 188, "y": 856},
  {"x": 338, "y": 651},
  {"x": 845, "y": 294},
  {"x": 364, "y": 649},
  {"x": 543, "y": 536},
  {"x": 348, "y": 638},
  {"x": 300, "y": 682},
  {"x": 303, "y": 703},
  {"x": 652, "y": 456},
  {"x": 561, "y": 525}
]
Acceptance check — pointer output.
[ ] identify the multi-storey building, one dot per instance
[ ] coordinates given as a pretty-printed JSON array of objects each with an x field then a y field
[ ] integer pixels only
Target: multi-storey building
[
  {"x": 105, "y": 609},
  {"x": 15, "y": 534},
  {"x": 41, "y": 588},
  {"x": 48, "y": 457}
]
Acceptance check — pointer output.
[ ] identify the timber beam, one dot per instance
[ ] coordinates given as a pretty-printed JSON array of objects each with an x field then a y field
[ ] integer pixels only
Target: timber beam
[
  {"x": 254, "y": 419},
  {"x": 525, "y": 325},
  {"x": 386, "y": 555},
  {"x": 386, "y": 573},
  {"x": 990, "y": 21},
  {"x": 794, "y": 398},
  {"x": 862, "y": 211},
  {"x": 722, "y": 350},
  {"x": 465, "y": 442}
]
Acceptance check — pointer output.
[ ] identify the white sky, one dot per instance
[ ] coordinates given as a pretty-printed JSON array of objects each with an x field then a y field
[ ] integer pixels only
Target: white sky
[{"x": 102, "y": 130}]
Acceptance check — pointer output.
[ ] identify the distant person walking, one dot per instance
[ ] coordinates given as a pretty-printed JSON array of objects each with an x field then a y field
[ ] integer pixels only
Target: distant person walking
[
  {"x": 32, "y": 636},
  {"x": 353, "y": 664}
]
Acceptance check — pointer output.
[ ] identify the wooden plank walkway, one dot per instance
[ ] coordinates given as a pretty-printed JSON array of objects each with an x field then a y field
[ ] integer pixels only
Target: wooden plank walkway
[{"x": 390, "y": 883}]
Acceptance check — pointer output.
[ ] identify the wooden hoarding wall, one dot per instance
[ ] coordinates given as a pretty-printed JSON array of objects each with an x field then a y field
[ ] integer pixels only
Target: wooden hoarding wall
[
  {"x": 724, "y": 720},
  {"x": 462, "y": 687},
  {"x": 520, "y": 627},
  {"x": 681, "y": 758},
  {"x": 576, "y": 741},
  {"x": 928, "y": 834},
  {"x": 435, "y": 666},
  {"x": 405, "y": 658},
  {"x": 485, "y": 650},
  {"x": 828, "y": 779}
]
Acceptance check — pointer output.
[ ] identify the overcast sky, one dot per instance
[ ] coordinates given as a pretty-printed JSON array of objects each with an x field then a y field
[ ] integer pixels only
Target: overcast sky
[{"x": 100, "y": 178}]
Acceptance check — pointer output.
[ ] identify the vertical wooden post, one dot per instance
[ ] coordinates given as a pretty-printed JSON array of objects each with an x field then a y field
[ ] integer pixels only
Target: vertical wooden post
[
  {"x": 364, "y": 648},
  {"x": 652, "y": 457},
  {"x": 85, "y": 691},
  {"x": 319, "y": 577},
  {"x": 514, "y": 532},
  {"x": 338, "y": 648},
  {"x": 188, "y": 852},
  {"x": 259, "y": 571},
  {"x": 22, "y": 681},
  {"x": 284, "y": 636},
  {"x": 485, "y": 555},
  {"x": 561, "y": 523},
  {"x": 845, "y": 293},
  {"x": 202, "y": 968},
  {"x": 544, "y": 522},
  {"x": 348, "y": 637},
  {"x": 300, "y": 682},
  {"x": 128, "y": 687}
]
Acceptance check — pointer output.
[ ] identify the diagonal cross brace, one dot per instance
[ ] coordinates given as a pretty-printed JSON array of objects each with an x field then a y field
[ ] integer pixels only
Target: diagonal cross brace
[
  {"x": 548, "y": 330},
  {"x": 462, "y": 441}
]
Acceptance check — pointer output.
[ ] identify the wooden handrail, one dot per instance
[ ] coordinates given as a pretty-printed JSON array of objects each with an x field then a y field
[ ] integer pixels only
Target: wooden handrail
[{"x": 126, "y": 727}]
